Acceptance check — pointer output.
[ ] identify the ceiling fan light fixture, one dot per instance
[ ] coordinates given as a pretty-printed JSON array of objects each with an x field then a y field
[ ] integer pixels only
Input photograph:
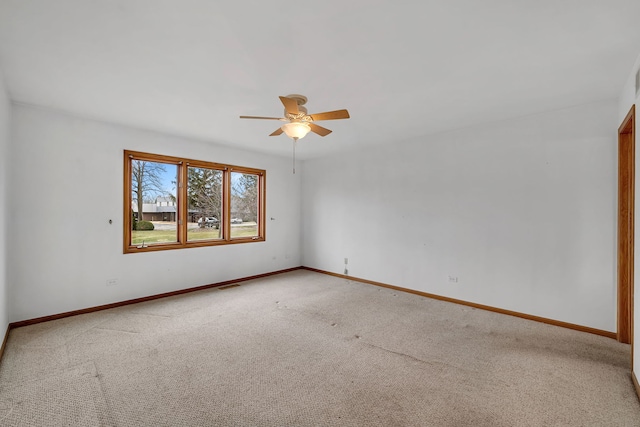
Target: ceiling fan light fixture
[{"x": 296, "y": 130}]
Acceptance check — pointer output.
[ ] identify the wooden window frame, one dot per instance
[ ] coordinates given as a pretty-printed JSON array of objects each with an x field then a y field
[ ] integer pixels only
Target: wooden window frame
[{"x": 181, "y": 224}]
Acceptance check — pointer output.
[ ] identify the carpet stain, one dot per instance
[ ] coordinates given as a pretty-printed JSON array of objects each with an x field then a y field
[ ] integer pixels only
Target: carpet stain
[
  {"x": 151, "y": 315},
  {"x": 422, "y": 361},
  {"x": 397, "y": 353},
  {"x": 119, "y": 330}
]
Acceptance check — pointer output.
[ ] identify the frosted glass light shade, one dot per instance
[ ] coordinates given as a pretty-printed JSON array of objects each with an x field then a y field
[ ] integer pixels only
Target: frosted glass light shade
[{"x": 296, "y": 129}]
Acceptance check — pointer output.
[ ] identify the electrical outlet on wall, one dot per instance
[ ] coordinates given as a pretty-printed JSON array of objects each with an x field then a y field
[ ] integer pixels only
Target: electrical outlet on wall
[
  {"x": 453, "y": 279},
  {"x": 112, "y": 282}
]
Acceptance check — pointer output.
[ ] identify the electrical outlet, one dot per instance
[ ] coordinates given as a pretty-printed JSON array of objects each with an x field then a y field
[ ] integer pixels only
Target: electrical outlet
[
  {"x": 112, "y": 282},
  {"x": 453, "y": 279},
  {"x": 346, "y": 261}
]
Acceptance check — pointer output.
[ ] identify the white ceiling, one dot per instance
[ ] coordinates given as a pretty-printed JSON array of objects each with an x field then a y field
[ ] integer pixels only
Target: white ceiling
[{"x": 402, "y": 68}]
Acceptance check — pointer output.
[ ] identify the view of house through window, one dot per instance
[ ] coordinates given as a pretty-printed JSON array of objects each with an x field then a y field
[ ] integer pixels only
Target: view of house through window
[
  {"x": 154, "y": 203},
  {"x": 172, "y": 203}
]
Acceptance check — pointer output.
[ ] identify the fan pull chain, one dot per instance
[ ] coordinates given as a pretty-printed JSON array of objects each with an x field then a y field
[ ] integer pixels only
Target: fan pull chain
[{"x": 294, "y": 154}]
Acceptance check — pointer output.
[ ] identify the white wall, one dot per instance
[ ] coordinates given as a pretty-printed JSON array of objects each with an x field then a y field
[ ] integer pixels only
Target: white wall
[
  {"x": 521, "y": 211},
  {"x": 5, "y": 110},
  {"x": 628, "y": 98},
  {"x": 67, "y": 176}
]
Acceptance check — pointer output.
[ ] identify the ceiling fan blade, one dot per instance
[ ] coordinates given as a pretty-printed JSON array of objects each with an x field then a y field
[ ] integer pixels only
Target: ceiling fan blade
[
  {"x": 319, "y": 130},
  {"x": 331, "y": 115},
  {"x": 276, "y": 132},
  {"x": 263, "y": 118},
  {"x": 290, "y": 105}
]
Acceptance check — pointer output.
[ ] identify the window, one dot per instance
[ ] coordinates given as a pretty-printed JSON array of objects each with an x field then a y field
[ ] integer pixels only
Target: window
[
  {"x": 244, "y": 204},
  {"x": 173, "y": 203},
  {"x": 204, "y": 196}
]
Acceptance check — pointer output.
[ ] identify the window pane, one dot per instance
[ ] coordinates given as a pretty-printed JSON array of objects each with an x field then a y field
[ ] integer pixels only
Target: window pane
[
  {"x": 204, "y": 193},
  {"x": 154, "y": 203},
  {"x": 244, "y": 204}
]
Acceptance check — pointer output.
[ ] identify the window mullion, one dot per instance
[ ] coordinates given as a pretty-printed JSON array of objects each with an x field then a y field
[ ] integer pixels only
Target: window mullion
[
  {"x": 182, "y": 203},
  {"x": 128, "y": 210},
  {"x": 226, "y": 204},
  {"x": 262, "y": 205}
]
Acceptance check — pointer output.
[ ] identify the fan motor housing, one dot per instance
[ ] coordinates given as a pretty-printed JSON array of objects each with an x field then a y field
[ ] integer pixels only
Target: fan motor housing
[
  {"x": 302, "y": 111},
  {"x": 300, "y": 99}
]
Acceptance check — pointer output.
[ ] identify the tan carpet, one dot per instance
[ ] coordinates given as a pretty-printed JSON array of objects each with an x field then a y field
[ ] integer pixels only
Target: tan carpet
[{"x": 306, "y": 349}]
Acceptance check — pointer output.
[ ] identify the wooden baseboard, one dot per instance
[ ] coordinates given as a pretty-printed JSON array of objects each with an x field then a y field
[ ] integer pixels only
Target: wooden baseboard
[
  {"x": 635, "y": 383},
  {"x": 474, "y": 305},
  {"x": 4, "y": 341},
  {"x": 143, "y": 299}
]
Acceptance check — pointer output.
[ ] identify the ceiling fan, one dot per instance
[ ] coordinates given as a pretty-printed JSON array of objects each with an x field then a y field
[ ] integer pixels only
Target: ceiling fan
[{"x": 299, "y": 122}]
